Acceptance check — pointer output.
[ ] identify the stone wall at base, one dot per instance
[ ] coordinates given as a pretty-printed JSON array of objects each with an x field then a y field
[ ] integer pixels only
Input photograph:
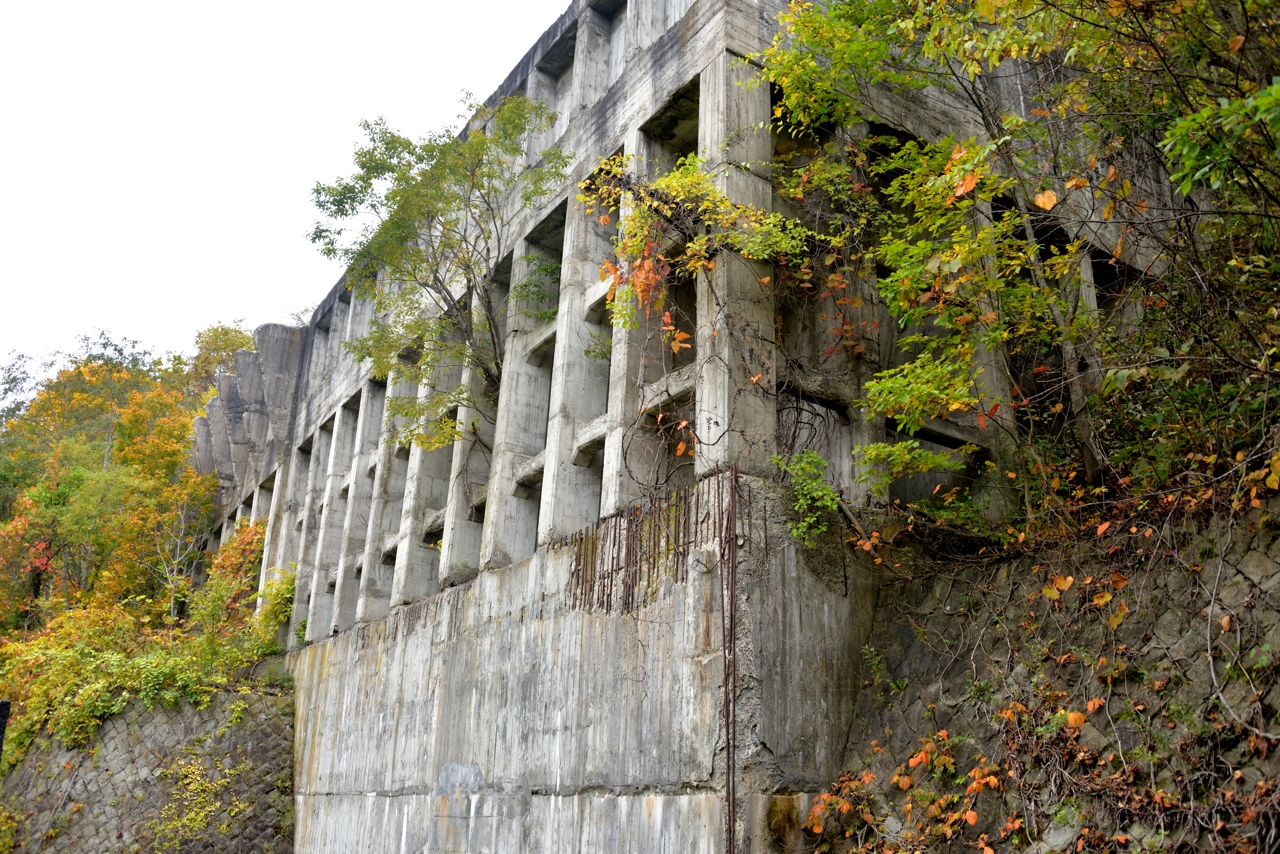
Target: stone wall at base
[{"x": 112, "y": 796}]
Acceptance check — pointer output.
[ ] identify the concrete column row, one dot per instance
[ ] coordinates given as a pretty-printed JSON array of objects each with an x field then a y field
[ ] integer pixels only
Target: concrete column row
[{"x": 571, "y": 438}]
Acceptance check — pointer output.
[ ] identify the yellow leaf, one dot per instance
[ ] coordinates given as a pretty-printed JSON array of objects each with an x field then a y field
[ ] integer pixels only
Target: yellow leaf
[
  {"x": 1115, "y": 620},
  {"x": 986, "y": 8},
  {"x": 1046, "y": 200},
  {"x": 1101, "y": 599},
  {"x": 1075, "y": 182},
  {"x": 1050, "y": 592}
]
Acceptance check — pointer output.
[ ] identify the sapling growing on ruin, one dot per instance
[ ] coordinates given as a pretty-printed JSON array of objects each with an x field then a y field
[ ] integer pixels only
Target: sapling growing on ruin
[{"x": 426, "y": 230}]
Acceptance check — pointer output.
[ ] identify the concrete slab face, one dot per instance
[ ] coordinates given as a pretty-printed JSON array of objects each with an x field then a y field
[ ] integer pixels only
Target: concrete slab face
[{"x": 569, "y": 703}]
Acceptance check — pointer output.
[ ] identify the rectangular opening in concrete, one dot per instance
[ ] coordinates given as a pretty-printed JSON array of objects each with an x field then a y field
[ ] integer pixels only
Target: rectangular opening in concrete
[
  {"x": 672, "y": 132},
  {"x": 929, "y": 484},
  {"x": 537, "y": 293},
  {"x": 672, "y": 465},
  {"x": 823, "y": 426}
]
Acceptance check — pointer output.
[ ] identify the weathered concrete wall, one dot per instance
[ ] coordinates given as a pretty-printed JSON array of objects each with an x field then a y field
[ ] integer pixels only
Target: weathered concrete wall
[
  {"x": 109, "y": 796},
  {"x": 529, "y": 710}
]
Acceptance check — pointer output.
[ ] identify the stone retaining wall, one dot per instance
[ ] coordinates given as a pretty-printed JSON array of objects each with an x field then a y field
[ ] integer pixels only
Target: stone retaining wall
[{"x": 112, "y": 796}]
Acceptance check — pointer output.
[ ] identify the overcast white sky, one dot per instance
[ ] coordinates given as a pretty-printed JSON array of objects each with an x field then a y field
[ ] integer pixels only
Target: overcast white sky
[{"x": 157, "y": 158}]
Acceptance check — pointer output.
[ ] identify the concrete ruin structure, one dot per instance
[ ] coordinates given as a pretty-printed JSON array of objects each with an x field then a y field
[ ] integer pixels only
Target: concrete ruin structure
[{"x": 561, "y": 634}]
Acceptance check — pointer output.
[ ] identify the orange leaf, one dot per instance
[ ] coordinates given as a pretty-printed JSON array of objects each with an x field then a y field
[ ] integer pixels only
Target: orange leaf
[
  {"x": 904, "y": 782},
  {"x": 1095, "y": 704},
  {"x": 1102, "y": 529},
  {"x": 680, "y": 449},
  {"x": 1075, "y": 183},
  {"x": 968, "y": 183},
  {"x": 1235, "y": 44},
  {"x": 1063, "y": 582},
  {"x": 1075, "y": 719},
  {"x": 1118, "y": 581},
  {"x": 1046, "y": 200},
  {"x": 971, "y": 817},
  {"x": 1225, "y": 622}
]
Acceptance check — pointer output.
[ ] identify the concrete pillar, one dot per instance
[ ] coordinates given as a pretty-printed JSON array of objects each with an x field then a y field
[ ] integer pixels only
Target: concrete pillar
[
  {"x": 270, "y": 502},
  {"x": 237, "y": 436},
  {"x": 631, "y": 452},
  {"x": 220, "y": 447},
  {"x": 465, "y": 511},
  {"x": 279, "y": 352},
  {"x": 202, "y": 438},
  {"x": 591, "y": 59},
  {"x": 417, "y": 569},
  {"x": 520, "y": 434},
  {"x": 381, "y": 540},
  {"x": 359, "y": 487},
  {"x": 736, "y": 404},
  {"x": 333, "y": 512},
  {"x": 252, "y": 398},
  {"x": 315, "y": 458},
  {"x": 579, "y": 385}
]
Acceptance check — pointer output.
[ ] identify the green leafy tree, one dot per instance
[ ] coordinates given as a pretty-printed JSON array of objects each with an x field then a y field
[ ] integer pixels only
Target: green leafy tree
[
  {"x": 425, "y": 229},
  {"x": 216, "y": 348}
]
